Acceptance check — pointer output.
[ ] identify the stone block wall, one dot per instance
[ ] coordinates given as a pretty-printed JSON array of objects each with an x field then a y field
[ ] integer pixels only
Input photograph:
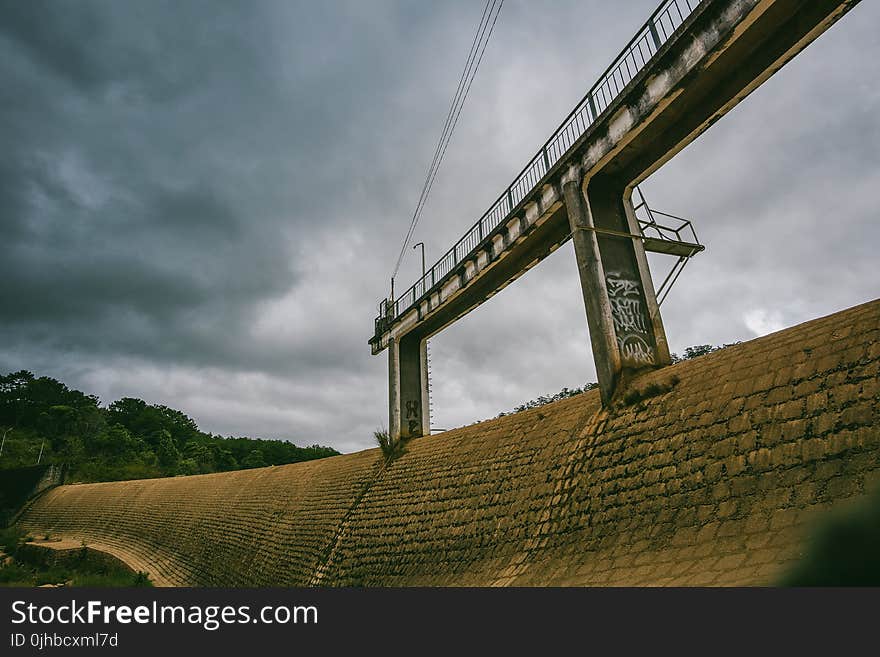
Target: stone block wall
[{"x": 709, "y": 472}]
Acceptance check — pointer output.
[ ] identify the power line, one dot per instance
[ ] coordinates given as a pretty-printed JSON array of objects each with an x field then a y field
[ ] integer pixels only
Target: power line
[
  {"x": 446, "y": 133},
  {"x": 461, "y": 83},
  {"x": 481, "y": 39},
  {"x": 463, "y": 86},
  {"x": 458, "y": 113}
]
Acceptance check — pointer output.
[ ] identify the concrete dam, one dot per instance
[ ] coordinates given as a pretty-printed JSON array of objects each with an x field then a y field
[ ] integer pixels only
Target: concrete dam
[{"x": 712, "y": 471}]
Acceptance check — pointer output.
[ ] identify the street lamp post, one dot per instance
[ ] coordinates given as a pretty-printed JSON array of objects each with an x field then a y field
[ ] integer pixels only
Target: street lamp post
[
  {"x": 421, "y": 244},
  {"x": 427, "y": 357}
]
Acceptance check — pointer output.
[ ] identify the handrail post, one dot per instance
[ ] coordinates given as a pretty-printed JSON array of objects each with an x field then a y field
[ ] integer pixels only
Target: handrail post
[
  {"x": 592, "y": 106},
  {"x": 654, "y": 35}
]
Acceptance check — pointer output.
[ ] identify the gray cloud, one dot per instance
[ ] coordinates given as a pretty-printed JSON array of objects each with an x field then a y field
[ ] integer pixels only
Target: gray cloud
[{"x": 200, "y": 202}]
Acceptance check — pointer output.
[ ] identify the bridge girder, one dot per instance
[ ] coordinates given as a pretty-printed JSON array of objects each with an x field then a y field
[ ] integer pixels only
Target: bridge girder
[{"x": 721, "y": 52}]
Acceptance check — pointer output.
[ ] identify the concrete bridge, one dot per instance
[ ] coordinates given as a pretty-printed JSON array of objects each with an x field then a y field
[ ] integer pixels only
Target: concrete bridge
[{"x": 689, "y": 64}]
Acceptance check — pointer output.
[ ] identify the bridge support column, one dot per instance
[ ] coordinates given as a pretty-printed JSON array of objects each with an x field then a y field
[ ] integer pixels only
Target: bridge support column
[
  {"x": 626, "y": 332},
  {"x": 409, "y": 416}
]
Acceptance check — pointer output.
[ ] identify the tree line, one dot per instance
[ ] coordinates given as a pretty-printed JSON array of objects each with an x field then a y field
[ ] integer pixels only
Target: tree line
[
  {"x": 694, "y": 351},
  {"x": 42, "y": 420}
]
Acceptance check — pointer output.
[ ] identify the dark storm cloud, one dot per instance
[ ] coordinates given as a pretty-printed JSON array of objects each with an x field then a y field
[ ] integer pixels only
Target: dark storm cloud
[
  {"x": 191, "y": 187},
  {"x": 200, "y": 202},
  {"x": 59, "y": 37},
  {"x": 121, "y": 205}
]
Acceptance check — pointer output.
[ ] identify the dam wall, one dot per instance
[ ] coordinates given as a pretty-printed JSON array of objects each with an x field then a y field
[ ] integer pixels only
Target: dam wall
[{"x": 712, "y": 471}]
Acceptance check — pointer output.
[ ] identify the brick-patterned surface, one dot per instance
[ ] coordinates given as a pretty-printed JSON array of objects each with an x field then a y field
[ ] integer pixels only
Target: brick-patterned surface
[
  {"x": 714, "y": 477},
  {"x": 265, "y": 526}
]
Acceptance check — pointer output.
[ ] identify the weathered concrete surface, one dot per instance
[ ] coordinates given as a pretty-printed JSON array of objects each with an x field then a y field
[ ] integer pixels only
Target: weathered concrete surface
[
  {"x": 410, "y": 414},
  {"x": 712, "y": 481},
  {"x": 724, "y": 50},
  {"x": 721, "y": 52},
  {"x": 626, "y": 332}
]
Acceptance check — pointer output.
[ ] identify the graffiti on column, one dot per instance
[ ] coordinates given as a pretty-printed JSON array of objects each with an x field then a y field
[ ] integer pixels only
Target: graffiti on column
[
  {"x": 630, "y": 319},
  {"x": 412, "y": 417}
]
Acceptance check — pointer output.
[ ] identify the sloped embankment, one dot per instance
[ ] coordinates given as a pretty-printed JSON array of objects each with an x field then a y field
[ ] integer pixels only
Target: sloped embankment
[{"x": 713, "y": 479}]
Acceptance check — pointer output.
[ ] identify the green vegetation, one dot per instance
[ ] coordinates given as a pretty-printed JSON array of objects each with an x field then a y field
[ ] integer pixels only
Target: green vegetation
[
  {"x": 565, "y": 393},
  {"x": 655, "y": 389},
  {"x": 699, "y": 350},
  {"x": 845, "y": 549},
  {"x": 11, "y": 539},
  {"x": 21, "y": 567},
  {"x": 41, "y": 418},
  {"x": 390, "y": 447},
  {"x": 20, "y": 574}
]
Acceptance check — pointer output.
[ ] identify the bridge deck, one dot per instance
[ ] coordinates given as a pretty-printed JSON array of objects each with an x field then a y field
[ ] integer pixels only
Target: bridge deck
[
  {"x": 663, "y": 24},
  {"x": 688, "y": 65}
]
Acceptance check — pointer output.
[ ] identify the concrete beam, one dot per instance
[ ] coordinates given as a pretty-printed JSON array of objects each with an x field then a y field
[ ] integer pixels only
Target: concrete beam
[
  {"x": 722, "y": 51},
  {"x": 626, "y": 331},
  {"x": 409, "y": 404}
]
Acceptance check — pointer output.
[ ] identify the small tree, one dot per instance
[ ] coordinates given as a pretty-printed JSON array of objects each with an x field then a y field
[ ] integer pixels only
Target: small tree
[
  {"x": 166, "y": 451},
  {"x": 254, "y": 459}
]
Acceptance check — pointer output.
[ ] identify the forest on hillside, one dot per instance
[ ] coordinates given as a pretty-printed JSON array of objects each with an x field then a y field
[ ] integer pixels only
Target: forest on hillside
[{"x": 41, "y": 419}]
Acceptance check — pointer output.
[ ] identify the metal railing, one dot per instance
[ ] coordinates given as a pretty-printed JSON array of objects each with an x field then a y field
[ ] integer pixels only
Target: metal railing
[
  {"x": 632, "y": 59},
  {"x": 674, "y": 229}
]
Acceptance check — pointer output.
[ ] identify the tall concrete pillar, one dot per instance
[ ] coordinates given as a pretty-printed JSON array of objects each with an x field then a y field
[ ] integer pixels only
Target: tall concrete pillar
[
  {"x": 626, "y": 332},
  {"x": 408, "y": 401}
]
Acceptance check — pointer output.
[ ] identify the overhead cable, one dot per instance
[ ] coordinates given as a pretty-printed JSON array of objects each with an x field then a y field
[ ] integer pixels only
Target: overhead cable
[{"x": 478, "y": 47}]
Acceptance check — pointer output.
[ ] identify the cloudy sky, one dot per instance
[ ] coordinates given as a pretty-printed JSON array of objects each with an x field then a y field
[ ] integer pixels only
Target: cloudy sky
[{"x": 201, "y": 202}]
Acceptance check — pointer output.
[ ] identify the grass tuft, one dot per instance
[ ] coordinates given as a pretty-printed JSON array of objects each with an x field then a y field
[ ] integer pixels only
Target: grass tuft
[{"x": 391, "y": 448}]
